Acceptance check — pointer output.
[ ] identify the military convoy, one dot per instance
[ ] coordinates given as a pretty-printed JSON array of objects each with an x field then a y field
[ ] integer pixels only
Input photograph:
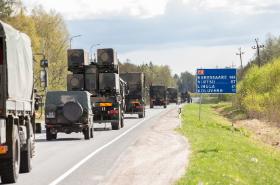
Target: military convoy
[{"x": 96, "y": 93}]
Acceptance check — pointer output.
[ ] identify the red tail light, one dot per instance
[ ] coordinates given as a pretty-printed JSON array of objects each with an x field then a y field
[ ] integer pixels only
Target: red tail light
[{"x": 113, "y": 112}]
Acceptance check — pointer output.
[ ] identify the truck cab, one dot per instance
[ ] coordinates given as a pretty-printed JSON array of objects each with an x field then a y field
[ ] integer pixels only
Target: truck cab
[
  {"x": 172, "y": 95},
  {"x": 158, "y": 96},
  {"x": 135, "y": 100}
]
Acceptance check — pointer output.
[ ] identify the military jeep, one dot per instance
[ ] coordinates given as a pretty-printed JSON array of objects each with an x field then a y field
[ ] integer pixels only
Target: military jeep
[{"x": 67, "y": 112}]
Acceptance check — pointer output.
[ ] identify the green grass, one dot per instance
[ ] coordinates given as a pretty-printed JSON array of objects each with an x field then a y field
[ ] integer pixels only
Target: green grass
[{"x": 223, "y": 155}]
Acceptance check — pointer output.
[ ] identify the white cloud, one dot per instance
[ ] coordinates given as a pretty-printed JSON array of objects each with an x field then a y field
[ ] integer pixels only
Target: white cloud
[
  {"x": 93, "y": 9},
  {"x": 235, "y": 6},
  {"x": 182, "y": 59}
]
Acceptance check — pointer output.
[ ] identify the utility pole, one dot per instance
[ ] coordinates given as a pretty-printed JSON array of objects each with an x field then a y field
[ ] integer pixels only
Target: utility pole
[
  {"x": 258, "y": 47},
  {"x": 240, "y": 53}
]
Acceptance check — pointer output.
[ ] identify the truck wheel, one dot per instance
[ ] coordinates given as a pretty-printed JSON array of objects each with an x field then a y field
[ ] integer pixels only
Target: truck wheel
[
  {"x": 141, "y": 115},
  {"x": 10, "y": 167},
  {"x": 115, "y": 125},
  {"x": 87, "y": 133},
  {"x": 151, "y": 106},
  {"x": 49, "y": 135},
  {"x": 91, "y": 132},
  {"x": 25, "y": 159},
  {"x": 122, "y": 122},
  {"x": 165, "y": 106}
]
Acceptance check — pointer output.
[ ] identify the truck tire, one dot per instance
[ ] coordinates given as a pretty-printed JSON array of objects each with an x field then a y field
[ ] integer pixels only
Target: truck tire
[
  {"x": 165, "y": 106},
  {"x": 115, "y": 125},
  {"x": 25, "y": 159},
  {"x": 141, "y": 115},
  {"x": 49, "y": 135},
  {"x": 91, "y": 132},
  {"x": 10, "y": 167},
  {"x": 151, "y": 106},
  {"x": 73, "y": 111},
  {"x": 122, "y": 122},
  {"x": 86, "y": 133},
  {"x": 38, "y": 128}
]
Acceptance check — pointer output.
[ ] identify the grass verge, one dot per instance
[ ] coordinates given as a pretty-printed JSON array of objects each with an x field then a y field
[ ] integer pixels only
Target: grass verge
[{"x": 223, "y": 155}]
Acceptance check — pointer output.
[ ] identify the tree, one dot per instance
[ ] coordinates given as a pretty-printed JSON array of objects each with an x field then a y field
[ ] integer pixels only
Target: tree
[
  {"x": 54, "y": 36},
  {"x": 186, "y": 82},
  {"x": 49, "y": 36},
  {"x": 5, "y": 9}
]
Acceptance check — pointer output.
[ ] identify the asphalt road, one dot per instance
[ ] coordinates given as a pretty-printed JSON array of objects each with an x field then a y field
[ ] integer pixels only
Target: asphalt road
[{"x": 71, "y": 160}]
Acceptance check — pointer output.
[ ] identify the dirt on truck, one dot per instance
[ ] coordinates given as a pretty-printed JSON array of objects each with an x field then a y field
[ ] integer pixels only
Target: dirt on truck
[{"x": 17, "y": 104}]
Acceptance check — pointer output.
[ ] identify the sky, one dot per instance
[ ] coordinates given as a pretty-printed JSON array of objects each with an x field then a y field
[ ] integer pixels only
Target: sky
[{"x": 184, "y": 34}]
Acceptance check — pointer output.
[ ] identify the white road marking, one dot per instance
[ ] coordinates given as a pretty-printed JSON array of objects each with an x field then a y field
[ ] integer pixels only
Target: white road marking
[{"x": 71, "y": 170}]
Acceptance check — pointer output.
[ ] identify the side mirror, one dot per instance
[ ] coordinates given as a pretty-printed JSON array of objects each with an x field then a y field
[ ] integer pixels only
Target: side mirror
[
  {"x": 44, "y": 63},
  {"x": 44, "y": 78}
]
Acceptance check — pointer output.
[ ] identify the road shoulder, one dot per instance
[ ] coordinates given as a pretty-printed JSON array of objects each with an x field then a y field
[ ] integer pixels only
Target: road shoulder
[{"x": 157, "y": 157}]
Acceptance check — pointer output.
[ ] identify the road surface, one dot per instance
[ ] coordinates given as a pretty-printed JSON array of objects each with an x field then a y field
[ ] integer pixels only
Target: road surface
[{"x": 71, "y": 160}]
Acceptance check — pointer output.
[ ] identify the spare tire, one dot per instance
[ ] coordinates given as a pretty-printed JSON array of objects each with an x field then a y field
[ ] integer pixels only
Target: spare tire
[{"x": 72, "y": 111}]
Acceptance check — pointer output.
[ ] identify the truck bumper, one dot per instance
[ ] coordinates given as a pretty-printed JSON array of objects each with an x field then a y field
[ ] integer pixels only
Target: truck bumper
[{"x": 66, "y": 128}]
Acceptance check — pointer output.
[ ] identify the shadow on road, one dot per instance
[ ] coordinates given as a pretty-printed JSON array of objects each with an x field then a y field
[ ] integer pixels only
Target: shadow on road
[
  {"x": 103, "y": 129},
  {"x": 58, "y": 140},
  {"x": 131, "y": 117}
]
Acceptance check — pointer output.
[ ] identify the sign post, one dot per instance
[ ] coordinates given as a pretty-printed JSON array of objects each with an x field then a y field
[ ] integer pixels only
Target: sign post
[{"x": 215, "y": 81}]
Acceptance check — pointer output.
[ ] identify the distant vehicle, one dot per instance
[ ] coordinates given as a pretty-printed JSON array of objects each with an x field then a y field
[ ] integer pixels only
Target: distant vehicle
[
  {"x": 172, "y": 95},
  {"x": 67, "y": 112},
  {"x": 135, "y": 100},
  {"x": 183, "y": 97},
  {"x": 17, "y": 104},
  {"x": 158, "y": 96},
  {"x": 186, "y": 97}
]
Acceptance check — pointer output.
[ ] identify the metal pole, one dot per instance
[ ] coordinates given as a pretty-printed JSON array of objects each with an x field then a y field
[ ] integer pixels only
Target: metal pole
[
  {"x": 71, "y": 39},
  {"x": 240, "y": 53},
  {"x": 200, "y": 102},
  {"x": 90, "y": 50},
  {"x": 258, "y": 47}
]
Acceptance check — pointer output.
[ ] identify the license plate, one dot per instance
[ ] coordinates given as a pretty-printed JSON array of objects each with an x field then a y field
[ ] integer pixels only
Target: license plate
[{"x": 51, "y": 115}]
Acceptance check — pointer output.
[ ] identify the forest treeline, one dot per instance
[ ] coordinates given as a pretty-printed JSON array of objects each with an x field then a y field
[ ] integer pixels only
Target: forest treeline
[{"x": 50, "y": 36}]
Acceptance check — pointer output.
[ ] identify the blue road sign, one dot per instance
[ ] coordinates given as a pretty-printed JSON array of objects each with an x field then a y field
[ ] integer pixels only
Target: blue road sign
[{"x": 216, "y": 81}]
